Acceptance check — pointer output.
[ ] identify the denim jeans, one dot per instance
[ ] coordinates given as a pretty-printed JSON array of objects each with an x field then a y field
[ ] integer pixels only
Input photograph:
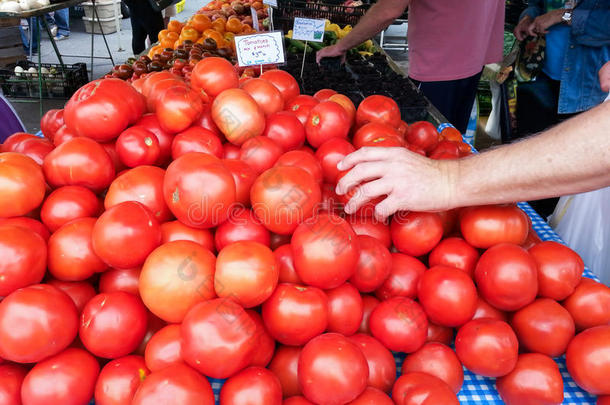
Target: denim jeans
[{"x": 61, "y": 18}]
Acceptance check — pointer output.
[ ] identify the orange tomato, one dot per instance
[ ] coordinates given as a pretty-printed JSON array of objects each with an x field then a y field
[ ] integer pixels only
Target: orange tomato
[
  {"x": 451, "y": 134},
  {"x": 346, "y": 103},
  {"x": 219, "y": 25},
  {"x": 167, "y": 43},
  {"x": 162, "y": 34},
  {"x": 229, "y": 36},
  {"x": 246, "y": 29},
  {"x": 215, "y": 35},
  {"x": 189, "y": 33},
  {"x": 233, "y": 25},
  {"x": 175, "y": 26},
  {"x": 257, "y": 5},
  {"x": 200, "y": 22},
  {"x": 155, "y": 50}
]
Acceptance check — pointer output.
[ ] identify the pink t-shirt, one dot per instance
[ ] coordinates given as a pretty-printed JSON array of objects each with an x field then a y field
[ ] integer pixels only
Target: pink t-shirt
[{"x": 454, "y": 39}]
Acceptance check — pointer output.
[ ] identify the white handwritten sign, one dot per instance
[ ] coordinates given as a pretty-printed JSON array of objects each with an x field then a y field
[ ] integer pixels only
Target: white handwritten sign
[
  {"x": 272, "y": 3},
  {"x": 307, "y": 29},
  {"x": 254, "y": 19},
  {"x": 260, "y": 49}
]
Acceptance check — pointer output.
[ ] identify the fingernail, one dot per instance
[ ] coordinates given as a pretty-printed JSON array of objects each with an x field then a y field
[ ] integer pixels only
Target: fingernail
[
  {"x": 340, "y": 165},
  {"x": 338, "y": 190}
]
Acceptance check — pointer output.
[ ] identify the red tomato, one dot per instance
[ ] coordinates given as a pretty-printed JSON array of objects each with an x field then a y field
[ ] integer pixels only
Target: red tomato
[
  {"x": 260, "y": 153},
  {"x": 120, "y": 280},
  {"x": 449, "y": 219},
  {"x": 423, "y": 135},
  {"x": 544, "y": 327},
  {"x": 164, "y": 348},
  {"x": 416, "y": 233},
  {"x": 603, "y": 400},
  {"x": 301, "y": 106},
  {"x": 403, "y": 127},
  {"x": 382, "y": 366},
  {"x": 506, "y": 276},
  {"x": 175, "y": 277},
  {"x": 416, "y": 388},
  {"x": 137, "y": 146},
  {"x": 378, "y": 108},
  {"x": 484, "y": 310},
  {"x": 22, "y": 185},
  {"x": 326, "y": 120},
  {"x": 400, "y": 324},
  {"x": 24, "y": 258},
  {"x": 374, "y": 264},
  {"x": 325, "y": 242},
  {"x": 559, "y": 269},
  {"x": 176, "y": 230},
  {"x": 113, "y": 324},
  {"x": 535, "y": 379},
  {"x": 151, "y": 80},
  {"x": 242, "y": 225},
  {"x": 265, "y": 344},
  {"x": 445, "y": 150},
  {"x": 372, "y": 227},
  {"x": 205, "y": 120},
  {"x": 151, "y": 123},
  {"x": 125, "y": 234},
  {"x": 177, "y": 383},
  {"x": 487, "y": 347},
  {"x": 489, "y": 225},
  {"x": 329, "y": 154},
  {"x": 252, "y": 385},
  {"x": 110, "y": 148},
  {"x": 589, "y": 305},
  {"x": 587, "y": 361},
  {"x": 244, "y": 176},
  {"x": 50, "y": 122},
  {"x": 331, "y": 202},
  {"x": 285, "y": 83},
  {"x": 346, "y": 103},
  {"x": 178, "y": 108},
  {"x": 30, "y": 145},
  {"x": 267, "y": 96},
  {"x": 284, "y": 365},
  {"x": 439, "y": 361},
  {"x": 332, "y": 370},
  {"x": 372, "y": 396},
  {"x": 344, "y": 309},
  {"x": 304, "y": 160},
  {"x": 324, "y": 94},
  {"x": 374, "y": 131},
  {"x": 238, "y": 116},
  {"x": 11, "y": 378},
  {"x": 283, "y": 197},
  {"x": 285, "y": 129},
  {"x": 285, "y": 261},
  {"x": 218, "y": 338},
  {"x": 455, "y": 252},
  {"x": 29, "y": 223},
  {"x": 66, "y": 378},
  {"x": 79, "y": 162},
  {"x": 63, "y": 134},
  {"x": 298, "y": 400},
  {"x": 68, "y": 203},
  {"x": 196, "y": 139},
  {"x": 440, "y": 334},
  {"x": 71, "y": 256},
  {"x": 213, "y": 75},
  {"x": 199, "y": 190},
  {"x": 384, "y": 141},
  {"x": 119, "y": 380},
  {"x": 444, "y": 287},
  {"x": 405, "y": 273},
  {"x": 79, "y": 291},
  {"x": 369, "y": 303}
]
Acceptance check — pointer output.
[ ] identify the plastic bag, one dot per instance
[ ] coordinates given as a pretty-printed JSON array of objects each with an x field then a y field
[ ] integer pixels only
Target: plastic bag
[{"x": 583, "y": 222}]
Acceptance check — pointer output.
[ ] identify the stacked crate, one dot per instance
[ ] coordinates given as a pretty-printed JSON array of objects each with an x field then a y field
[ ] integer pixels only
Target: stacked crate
[
  {"x": 11, "y": 46},
  {"x": 107, "y": 11}
]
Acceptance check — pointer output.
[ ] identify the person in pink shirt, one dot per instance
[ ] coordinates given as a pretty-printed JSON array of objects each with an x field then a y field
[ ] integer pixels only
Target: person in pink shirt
[{"x": 449, "y": 43}]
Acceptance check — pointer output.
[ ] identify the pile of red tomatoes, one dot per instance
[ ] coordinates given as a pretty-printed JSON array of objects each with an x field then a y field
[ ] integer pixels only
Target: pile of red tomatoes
[{"x": 164, "y": 232}]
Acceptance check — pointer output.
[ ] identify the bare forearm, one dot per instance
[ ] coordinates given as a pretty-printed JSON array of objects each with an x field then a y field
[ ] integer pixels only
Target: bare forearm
[{"x": 570, "y": 158}]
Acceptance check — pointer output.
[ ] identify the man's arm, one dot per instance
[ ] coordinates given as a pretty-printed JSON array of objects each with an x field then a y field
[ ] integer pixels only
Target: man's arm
[
  {"x": 378, "y": 18},
  {"x": 570, "y": 158}
]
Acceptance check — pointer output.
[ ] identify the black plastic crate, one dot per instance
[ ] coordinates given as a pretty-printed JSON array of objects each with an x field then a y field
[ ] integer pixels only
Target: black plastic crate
[
  {"x": 58, "y": 83},
  {"x": 338, "y": 14}
]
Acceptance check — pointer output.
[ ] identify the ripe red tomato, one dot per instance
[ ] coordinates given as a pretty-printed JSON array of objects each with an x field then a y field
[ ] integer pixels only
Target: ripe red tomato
[
  {"x": 178, "y": 383},
  {"x": 177, "y": 108},
  {"x": 382, "y": 366},
  {"x": 176, "y": 230},
  {"x": 378, "y": 108},
  {"x": 63, "y": 134},
  {"x": 66, "y": 378},
  {"x": 137, "y": 146},
  {"x": 403, "y": 279},
  {"x": 324, "y": 94},
  {"x": 11, "y": 379},
  {"x": 400, "y": 324},
  {"x": 79, "y": 162},
  {"x": 50, "y": 122},
  {"x": 326, "y": 120},
  {"x": 301, "y": 106},
  {"x": 125, "y": 234},
  {"x": 506, "y": 276},
  {"x": 304, "y": 160},
  {"x": 283, "y": 197},
  {"x": 372, "y": 227},
  {"x": 489, "y": 225},
  {"x": 79, "y": 291},
  {"x": 297, "y": 400},
  {"x": 196, "y": 139},
  {"x": 242, "y": 225},
  {"x": 267, "y": 96},
  {"x": 295, "y": 314},
  {"x": 199, "y": 190},
  {"x": 329, "y": 154},
  {"x": 24, "y": 258},
  {"x": 439, "y": 361},
  {"x": 285, "y": 261},
  {"x": 372, "y": 396},
  {"x": 238, "y": 116},
  {"x": 254, "y": 384},
  {"x": 544, "y": 326},
  {"x": 120, "y": 280},
  {"x": 119, "y": 380},
  {"x": 589, "y": 305},
  {"x": 30, "y": 145},
  {"x": 374, "y": 264},
  {"x": 344, "y": 309},
  {"x": 260, "y": 153},
  {"x": 373, "y": 132},
  {"x": 484, "y": 310},
  {"x": 244, "y": 176},
  {"x": 218, "y": 337},
  {"x": 535, "y": 378},
  {"x": 71, "y": 256},
  {"x": 347, "y": 104},
  {"x": 285, "y": 83},
  {"x": 164, "y": 348},
  {"x": 487, "y": 347},
  {"x": 213, "y": 75},
  {"x": 29, "y": 223},
  {"x": 325, "y": 242},
  {"x": 264, "y": 343},
  {"x": 445, "y": 150},
  {"x": 559, "y": 269},
  {"x": 175, "y": 277},
  {"x": 417, "y": 388},
  {"x": 369, "y": 303},
  {"x": 416, "y": 233},
  {"x": 68, "y": 203},
  {"x": 285, "y": 129},
  {"x": 284, "y": 365},
  {"x": 205, "y": 120},
  {"x": 444, "y": 287},
  {"x": 22, "y": 186},
  {"x": 440, "y": 334},
  {"x": 587, "y": 362},
  {"x": 455, "y": 252},
  {"x": 151, "y": 123},
  {"x": 332, "y": 370},
  {"x": 423, "y": 135}
]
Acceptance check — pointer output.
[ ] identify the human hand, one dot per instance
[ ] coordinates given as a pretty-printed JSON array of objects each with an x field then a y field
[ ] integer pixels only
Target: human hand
[
  {"x": 330, "y": 52},
  {"x": 542, "y": 23},
  {"x": 409, "y": 180},
  {"x": 521, "y": 28},
  {"x": 604, "y": 77}
]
